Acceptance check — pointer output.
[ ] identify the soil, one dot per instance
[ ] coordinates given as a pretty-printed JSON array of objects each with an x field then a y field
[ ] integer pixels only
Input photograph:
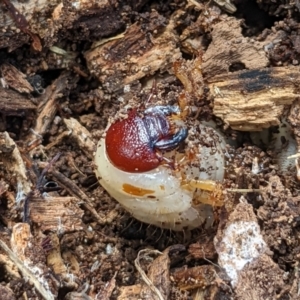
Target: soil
[{"x": 62, "y": 236}]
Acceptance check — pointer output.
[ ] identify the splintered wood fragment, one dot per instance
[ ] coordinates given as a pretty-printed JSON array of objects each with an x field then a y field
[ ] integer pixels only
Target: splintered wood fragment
[
  {"x": 56, "y": 214},
  {"x": 14, "y": 104},
  {"x": 48, "y": 106},
  {"x": 196, "y": 277},
  {"x": 142, "y": 50},
  {"x": 21, "y": 244},
  {"x": 229, "y": 47},
  {"x": 14, "y": 164},
  {"x": 252, "y": 100},
  {"x": 50, "y": 20},
  {"x": 15, "y": 79},
  {"x": 82, "y": 136}
]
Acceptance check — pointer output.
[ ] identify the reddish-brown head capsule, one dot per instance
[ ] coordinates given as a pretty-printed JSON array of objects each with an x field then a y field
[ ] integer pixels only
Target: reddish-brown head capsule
[{"x": 131, "y": 143}]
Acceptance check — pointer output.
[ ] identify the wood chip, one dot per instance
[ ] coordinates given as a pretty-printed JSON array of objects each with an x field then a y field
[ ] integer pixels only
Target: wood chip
[
  {"x": 48, "y": 105},
  {"x": 14, "y": 104},
  {"x": 204, "y": 249},
  {"x": 252, "y": 100},
  {"x": 144, "y": 49},
  {"x": 196, "y": 277},
  {"x": 229, "y": 47},
  {"x": 15, "y": 79},
  {"x": 56, "y": 214}
]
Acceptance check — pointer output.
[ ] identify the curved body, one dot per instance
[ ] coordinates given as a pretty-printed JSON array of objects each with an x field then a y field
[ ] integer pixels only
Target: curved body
[{"x": 162, "y": 196}]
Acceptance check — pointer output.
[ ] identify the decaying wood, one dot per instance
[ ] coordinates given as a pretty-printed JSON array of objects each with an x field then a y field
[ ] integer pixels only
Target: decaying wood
[
  {"x": 141, "y": 50},
  {"x": 229, "y": 47},
  {"x": 271, "y": 277},
  {"x": 14, "y": 104},
  {"x": 57, "y": 263},
  {"x": 252, "y": 100},
  {"x": 50, "y": 20},
  {"x": 21, "y": 243},
  {"x": 82, "y": 136},
  {"x": 15, "y": 79},
  {"x": 48, "y": 105},
  {"x": 14, "y": 164},
  {"x": 156, "y": 282},
  {"x": 204, "y": 249},
  {"x": 196, "y": 277},
  {"x": 56, "y": 214},
  {"x": 295, "y": 120}
]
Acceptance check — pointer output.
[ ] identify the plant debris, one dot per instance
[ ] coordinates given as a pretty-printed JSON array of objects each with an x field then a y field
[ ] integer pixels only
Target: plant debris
[{"x": 68, "y": 68}]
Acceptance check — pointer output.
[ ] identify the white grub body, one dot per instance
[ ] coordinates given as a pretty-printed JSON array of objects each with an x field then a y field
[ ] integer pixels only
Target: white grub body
[
  {"x": 162, "y": 196},
  {"x": 284, "y": 145}
]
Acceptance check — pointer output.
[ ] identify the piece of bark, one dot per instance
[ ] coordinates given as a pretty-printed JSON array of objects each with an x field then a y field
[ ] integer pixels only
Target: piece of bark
[
  {"x": 192, "y": 39},
  {"x": 252, "y": 100},
  {"x": 204, "y": 249},
  {"x": 57, "y": 19},
  {"x": 196, "y": 277},
  {"x": 141, "y": 50},
  {"x": 229, "y": 47},
  {"x": 15, "y": 79},
  {"x": 56, "y": 214},
  {"x": 14, "y": 104}
]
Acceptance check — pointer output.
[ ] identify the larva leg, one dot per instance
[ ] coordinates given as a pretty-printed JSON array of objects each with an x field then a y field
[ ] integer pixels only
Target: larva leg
[
  {"x": 209, "y": 192},
  {"x": 204, "y": 184}
]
